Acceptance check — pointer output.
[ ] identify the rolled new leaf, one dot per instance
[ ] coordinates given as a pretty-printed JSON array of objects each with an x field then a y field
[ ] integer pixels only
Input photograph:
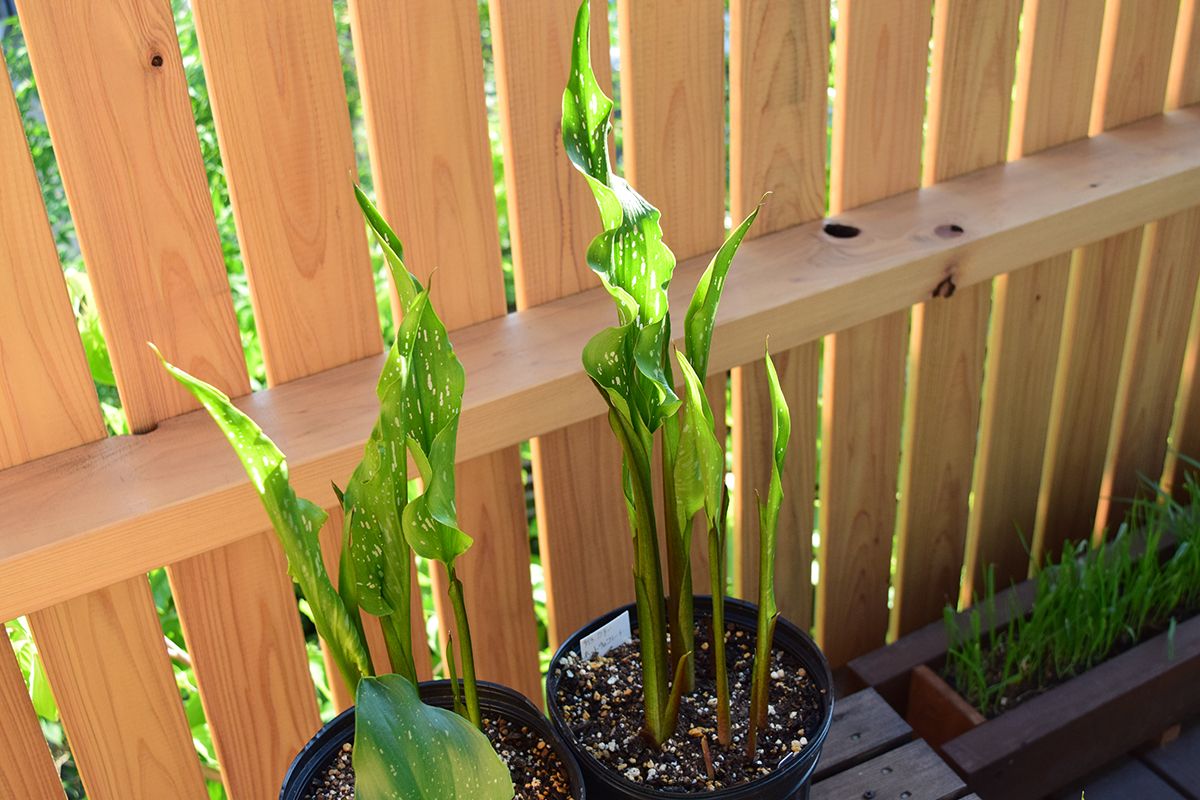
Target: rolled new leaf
[
  {"x": 768, "y": 526},
  {"x": 406, "y": 750},
  {"x": 297, "y": 523}
]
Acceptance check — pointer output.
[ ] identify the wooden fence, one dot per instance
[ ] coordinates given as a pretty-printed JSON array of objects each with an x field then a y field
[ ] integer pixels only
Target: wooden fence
[{"x": 998, "y": 335}]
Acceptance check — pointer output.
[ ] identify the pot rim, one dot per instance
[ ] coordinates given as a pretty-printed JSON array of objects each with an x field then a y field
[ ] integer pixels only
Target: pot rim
[{"x": 819, "y": 671}]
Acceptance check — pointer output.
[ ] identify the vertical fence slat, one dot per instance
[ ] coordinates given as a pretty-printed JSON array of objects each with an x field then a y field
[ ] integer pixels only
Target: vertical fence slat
[
  {"x": 147, "y": 233},
  {"x": 778, "y": 77},
  {"x": 423, "y": 94},
  {"x": 1183, "y": 89},
  {"x": 1152, "y": 364},
  {"x": 1056, "y": 71},
  {"x": 880, "y": 72},
  {"x": 673, "y": 107},
  {"x": 1131, "y": 83},
  {"x": 583, "y": 534},
  {"x": 29, "y": 770},
  {"x": 974, "y": 52},
  {"x": 47, "y": 403}
]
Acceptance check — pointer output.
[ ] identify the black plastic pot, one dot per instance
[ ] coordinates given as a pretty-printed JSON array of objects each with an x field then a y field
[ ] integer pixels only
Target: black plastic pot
[
  {"x": 493, "y": 699},
  {"x": 791, "y": 781}
]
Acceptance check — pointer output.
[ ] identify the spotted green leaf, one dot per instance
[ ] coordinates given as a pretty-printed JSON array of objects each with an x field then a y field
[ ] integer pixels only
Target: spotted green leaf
[
  {"x": 406, "y": 750},
  {"x": 432, "y": 406},
  {"x": 633, "y": 262},
  {"x": 297, "y": 522}
]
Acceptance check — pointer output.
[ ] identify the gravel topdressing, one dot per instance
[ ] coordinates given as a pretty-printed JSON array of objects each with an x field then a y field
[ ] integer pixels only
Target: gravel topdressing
[
  {"x": 537, "y": 771},
  {"x": 601, "y": 702}
]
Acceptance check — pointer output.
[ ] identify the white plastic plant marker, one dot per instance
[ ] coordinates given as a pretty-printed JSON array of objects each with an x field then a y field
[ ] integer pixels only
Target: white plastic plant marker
[{"x": 615, "y": 633}]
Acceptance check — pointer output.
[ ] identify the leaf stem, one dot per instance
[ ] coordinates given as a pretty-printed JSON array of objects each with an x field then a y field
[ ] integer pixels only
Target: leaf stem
[
  {"x": 470, "y": 687},
  {"x": 716, "y": 573}
]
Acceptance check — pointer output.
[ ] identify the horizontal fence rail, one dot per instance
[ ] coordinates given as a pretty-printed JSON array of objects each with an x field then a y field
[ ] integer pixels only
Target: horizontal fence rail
[{"x": 137, "y": 503}]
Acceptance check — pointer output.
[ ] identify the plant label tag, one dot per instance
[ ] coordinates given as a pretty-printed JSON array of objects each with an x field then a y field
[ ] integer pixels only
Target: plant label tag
[{"x": 612, "y": 635}]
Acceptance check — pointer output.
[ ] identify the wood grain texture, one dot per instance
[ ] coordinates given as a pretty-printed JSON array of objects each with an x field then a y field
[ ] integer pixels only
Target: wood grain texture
[
  {"x": 1163, "y": 300},
  {"x": 882, "y": 50},
  {"x": 275, "y": 80},
  {"x": 974, "y": 52},
  {"x": 422, "y": 74},
  {"x": 106, "y": 661},
  {"x": 29, "y": 770},
  {"x": 103, "y": 652},
  {"x": 249, "y": 656},
  {"x": 912, "y": 770},
  {"x": 1131, "y": 84},
  {"x": 864, "y": 726},
  {"x": 126, "y": 146},
  {"x": 798, "y": 283},
  {"x": 1183, "y": 84},
  {"x": 583, "y": 530},
  {"x": 779, "y": 67},
  {"x": 1056, "y": 70},
  {"x": 47, "y": 400},
  {"x": 1183, "y": 89}
]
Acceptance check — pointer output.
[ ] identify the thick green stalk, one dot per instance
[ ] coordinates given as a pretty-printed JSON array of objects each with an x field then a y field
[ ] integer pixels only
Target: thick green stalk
[
  {"x": 716, "y": 572},
  {"x": 470, "y": 688},
  {"x": 680, "y": 605},
  {"x": 647, "y": 575}
]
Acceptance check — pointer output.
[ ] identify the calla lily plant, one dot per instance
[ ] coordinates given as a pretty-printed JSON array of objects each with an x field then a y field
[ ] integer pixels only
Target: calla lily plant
[
  {"x": 632, "y": 366},
  {"x": 402, "y": 747}
]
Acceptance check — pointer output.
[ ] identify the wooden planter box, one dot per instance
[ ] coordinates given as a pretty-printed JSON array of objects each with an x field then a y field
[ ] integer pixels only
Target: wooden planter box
[{"x": 1058, "y": 736}]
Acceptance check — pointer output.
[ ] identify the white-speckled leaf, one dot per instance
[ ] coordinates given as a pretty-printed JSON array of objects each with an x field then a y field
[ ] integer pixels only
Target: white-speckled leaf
[
  {"x": 432, "y": 406},
  {"x": 296, "y": 520},
  {"x": 633, "y": 262},
  {"x": 699, "y": 458},
  {"x": 406, "y": 750}
]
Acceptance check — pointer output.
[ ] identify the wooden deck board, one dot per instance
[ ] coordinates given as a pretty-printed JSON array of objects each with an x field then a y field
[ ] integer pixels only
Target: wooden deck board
[
  {"x": 864, "y": 726},
  {"x": 1178, "y": 763},
  {"x": 1127, "y": 779},
  {"x": 912, "y": 771}
]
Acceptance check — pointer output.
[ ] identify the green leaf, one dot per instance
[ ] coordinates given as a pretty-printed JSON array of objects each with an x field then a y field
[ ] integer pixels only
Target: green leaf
[
  {"x": 393, "y": 251},
  {"x": 406, "y": 750},
  {"x": 432, "y": 406},
  {"x": 699, "y": 465},
  {"x": 702, "y": 311},
  {"x": 297, "y": 522},
  {"x": 768, "y": 510},
  {"x": 633, "y": 262}
]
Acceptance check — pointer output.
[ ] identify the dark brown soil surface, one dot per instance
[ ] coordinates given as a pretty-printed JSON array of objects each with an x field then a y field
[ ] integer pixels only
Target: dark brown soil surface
[
  {"x": 601, "y": 702},
  {"x": 536, "y": 769}
]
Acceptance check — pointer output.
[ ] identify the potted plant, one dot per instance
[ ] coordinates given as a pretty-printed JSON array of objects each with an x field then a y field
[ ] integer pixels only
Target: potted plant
[
  {"x": 467, "y": 740},
  {"x": 1101, "y": 646},
  {"x": 715, "y": 698}
]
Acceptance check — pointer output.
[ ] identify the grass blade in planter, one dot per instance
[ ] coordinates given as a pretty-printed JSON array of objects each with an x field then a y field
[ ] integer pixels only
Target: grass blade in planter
[
  {"x": 404, "y": 749},
  {"x": 297, "y": 522}
]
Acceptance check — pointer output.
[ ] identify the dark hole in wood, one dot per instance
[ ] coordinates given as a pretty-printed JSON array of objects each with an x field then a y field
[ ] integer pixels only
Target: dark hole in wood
[
  {"x": 948, "y": 231},
  {"x": 839, "y": 231},
  {"x": 156, "y": 60},
  {"x": 1093, "y": 186}
]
